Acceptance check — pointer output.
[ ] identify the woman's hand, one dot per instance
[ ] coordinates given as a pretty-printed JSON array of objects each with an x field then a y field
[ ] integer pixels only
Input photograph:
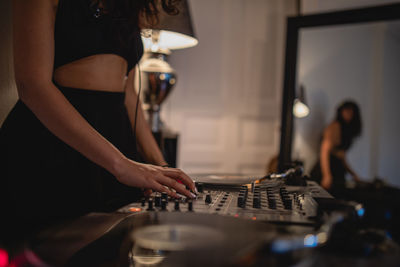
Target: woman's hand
[
  {"x": 326, "y": 182},
  {"x": 160, "y": 179}
]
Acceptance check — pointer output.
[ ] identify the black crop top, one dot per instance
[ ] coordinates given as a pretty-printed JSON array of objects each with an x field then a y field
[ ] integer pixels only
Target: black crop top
[{"x": 81, "y": 31}]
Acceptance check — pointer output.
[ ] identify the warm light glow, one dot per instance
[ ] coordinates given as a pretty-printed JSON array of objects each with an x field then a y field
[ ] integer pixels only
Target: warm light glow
[
  {"x": 300, "y": 110},
  {"x": 135, "y": 209},
  {"x": 322, "y": 238},
  {"x": 169, "y": 40},
  {"x": 156, "y": 65}
]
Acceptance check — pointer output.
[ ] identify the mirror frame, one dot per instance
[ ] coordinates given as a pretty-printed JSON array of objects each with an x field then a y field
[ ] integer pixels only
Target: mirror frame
[{"x": 293, "y": 27}]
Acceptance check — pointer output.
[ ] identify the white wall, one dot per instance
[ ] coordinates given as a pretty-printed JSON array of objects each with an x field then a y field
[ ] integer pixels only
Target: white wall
[
  {"x": 226, "y": 104},
  {"x": 388, "y": 161},
  {"x": 338, "y": 63}
]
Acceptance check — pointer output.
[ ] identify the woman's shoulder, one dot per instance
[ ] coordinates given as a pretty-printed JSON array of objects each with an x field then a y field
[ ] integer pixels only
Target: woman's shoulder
[
  {"x": 333, "y": 126},
  {"x": 332, "y": 131}
]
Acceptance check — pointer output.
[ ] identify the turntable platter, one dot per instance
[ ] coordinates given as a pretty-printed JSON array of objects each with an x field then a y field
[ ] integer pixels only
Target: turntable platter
[{"x": 226, "y": 179}]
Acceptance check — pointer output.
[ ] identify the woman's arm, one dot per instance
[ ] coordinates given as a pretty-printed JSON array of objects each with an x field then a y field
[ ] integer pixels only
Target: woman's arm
[
  {"x": 33, "y": 22},
  {"x": 330, "y": 138},
  {"x": 146, "y": 141}
]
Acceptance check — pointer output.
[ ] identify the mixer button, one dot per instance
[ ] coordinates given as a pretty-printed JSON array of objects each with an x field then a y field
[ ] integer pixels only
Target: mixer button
[
  {"x": 220, "y": 205},
  {"x": 200, "y": 187},
  {"x": 150, "y": 204},
  {"x": 190, "y": 205},
  {"x": 176, "y": 204},
  {"x": 157, "y": 200},
  {"x": 163, "y": 204},
  {"x": 208, "y": 199},
  {"x": 240, "y": 201}
]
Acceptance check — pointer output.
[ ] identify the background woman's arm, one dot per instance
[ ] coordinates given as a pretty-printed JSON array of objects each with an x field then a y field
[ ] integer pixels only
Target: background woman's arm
[{"x": 330, "y": 138}]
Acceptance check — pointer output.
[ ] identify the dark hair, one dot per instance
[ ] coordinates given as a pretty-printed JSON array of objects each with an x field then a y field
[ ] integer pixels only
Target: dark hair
[{"x": 352, "y": 129}]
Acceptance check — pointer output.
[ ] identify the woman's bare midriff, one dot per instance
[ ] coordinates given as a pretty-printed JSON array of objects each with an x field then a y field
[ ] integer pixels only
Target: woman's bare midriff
[{"x": 103, "y": 72}]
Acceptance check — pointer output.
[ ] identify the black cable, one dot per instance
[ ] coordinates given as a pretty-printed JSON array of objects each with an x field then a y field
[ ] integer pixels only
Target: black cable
[{"x": 138, "y": 99}]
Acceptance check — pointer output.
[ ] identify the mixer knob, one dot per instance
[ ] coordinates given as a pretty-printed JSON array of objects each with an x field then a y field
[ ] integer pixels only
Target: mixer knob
[
  {"x": 150, "y": 203},
  {"x": 240, "y": 201},
  {"x": 200, "y": 187},
  {"x": 176, "y": 204},
  {"x": 163, "y": 204},
  {"x": 287, "y": 204},
  {"x": 190, "y": 203},
  {"x": 143, "y": 201},
  {"x": 256, "y": 203},
  {"x": 208, "y": 199},
  {"x": 164, "y": 195},
  {"x": 288, "y": 207},
  {"x": 157, "y": 200}
]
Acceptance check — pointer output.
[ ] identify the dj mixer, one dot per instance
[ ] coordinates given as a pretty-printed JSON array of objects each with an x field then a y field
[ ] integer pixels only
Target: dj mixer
[
  {"x": 278, "y": 220},
  {"x": 269, "y": 200}
]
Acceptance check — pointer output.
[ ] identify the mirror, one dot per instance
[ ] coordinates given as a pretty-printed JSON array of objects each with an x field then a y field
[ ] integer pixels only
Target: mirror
[{"x": 359, "y": 62}]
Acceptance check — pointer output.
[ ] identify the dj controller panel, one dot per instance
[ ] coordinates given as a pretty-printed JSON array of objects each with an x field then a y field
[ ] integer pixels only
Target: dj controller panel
[
  {"x": 280, "y": 220},
  {"x": 269, "y": 201}
]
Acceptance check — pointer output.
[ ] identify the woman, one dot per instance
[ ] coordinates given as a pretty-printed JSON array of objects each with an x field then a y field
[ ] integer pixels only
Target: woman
[
  {"x": 337, "y": 139},
  {"x": 67, "y": 147}
]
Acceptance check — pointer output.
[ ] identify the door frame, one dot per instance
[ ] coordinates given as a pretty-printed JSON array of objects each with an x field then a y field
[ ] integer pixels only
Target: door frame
[{"x": 293, "y": 27}]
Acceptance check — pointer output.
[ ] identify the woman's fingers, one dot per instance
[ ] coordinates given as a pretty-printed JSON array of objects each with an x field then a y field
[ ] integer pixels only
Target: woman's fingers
[
  {"x": 160, "y": 188},
  {"x": 178, "y": 174},
  {"x": 172, "y": 183}
]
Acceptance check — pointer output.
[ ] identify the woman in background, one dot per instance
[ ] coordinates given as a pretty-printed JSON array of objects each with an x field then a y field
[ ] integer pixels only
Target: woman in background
[
  {"x": 337, "y": 139},
  {"x": 68, "y": 146}
]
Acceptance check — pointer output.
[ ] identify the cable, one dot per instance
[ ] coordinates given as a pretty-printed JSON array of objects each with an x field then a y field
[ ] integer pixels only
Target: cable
[{"x": 138, "y": 99}]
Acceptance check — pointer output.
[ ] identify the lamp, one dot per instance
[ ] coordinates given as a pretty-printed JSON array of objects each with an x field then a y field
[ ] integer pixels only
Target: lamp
[
  {"x": 172, "y": 32},
  {"x": 157, "y": 76},
  {"x": 300, "y": 108}
]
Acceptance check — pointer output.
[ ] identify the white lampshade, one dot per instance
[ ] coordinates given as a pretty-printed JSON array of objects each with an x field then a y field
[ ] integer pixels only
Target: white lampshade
[
  {"x": 300, "y": 110},
  {"x": 173, "y": 31}
]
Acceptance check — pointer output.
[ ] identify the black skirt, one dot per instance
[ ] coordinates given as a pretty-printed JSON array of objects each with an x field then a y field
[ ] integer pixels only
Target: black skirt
[
  {"x": 338, "y": 171},
  {"x": 43, "y": 180}
]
